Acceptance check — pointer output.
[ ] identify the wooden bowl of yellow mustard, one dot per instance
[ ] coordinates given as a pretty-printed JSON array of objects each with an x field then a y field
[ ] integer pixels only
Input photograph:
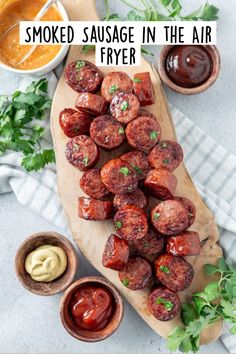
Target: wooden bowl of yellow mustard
[{"x": 46, "y": 263}]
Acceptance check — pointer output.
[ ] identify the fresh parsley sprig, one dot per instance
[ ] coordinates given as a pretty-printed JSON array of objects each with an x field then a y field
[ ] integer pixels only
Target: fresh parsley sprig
[
  {"x": 216, "y": 303},
  {"x": 21, "y": 127}
]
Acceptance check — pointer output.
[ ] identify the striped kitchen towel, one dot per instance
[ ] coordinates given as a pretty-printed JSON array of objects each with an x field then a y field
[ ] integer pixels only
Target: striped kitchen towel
[{"x": 212, "y": 168}]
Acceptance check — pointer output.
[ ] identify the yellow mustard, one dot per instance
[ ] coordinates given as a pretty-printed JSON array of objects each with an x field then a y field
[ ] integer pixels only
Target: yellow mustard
[{"x": 46, "y": 263}]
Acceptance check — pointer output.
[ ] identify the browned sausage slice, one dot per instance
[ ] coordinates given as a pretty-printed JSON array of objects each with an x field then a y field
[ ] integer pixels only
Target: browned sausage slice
[
  {"x": 163, "y": 304},
  {"x": 161, "y": 184},
  {"x": 82, "y": 152},
  {"x": 83, "y": 76},
  {"x": 116, "y": 253},
  {"x": 185, "y": 244},
  {"x": 151, "y": 244},
  {"x": 91, "y": 184},
  {"x": 188, "y": 204},
  {"x": 169, "y": 217},
  {"x": 119, "y": 177},
  {"x": 166, "y": 155},
  {"x": 107, "y": 132},
  {"x": 94, "y": 209},
  {"x": 74, "y": 123},
  {"x": 138, "y": 160},
  {"x": 115, "y": 82},
  {"x": 174, "y": 272},
  {"x": 91, "y": 104},
  {"x": 131, "y": 222},
  {"x": 143, "y": 88},
  {"x": 143, "y": 133},
  {"x": 125, "y": 107},
  {"x": 136, "y": 274},
  {"x": 136, "y": 198}
]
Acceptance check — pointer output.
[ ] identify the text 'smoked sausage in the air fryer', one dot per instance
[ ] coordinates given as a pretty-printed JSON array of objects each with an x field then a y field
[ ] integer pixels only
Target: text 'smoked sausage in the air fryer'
[
  {"x": 116, "y": 253},
  {"x": 169, "y": 217},
  {"x": 91, "y": 104},
  {"x": 190, "y": 207},
  {"x": 174, "y": 272},
  {"x": 131, "y": 222},
  {"x": 143, "y": 88},
  {"x": 163, "y": 304},
  {"x": 94, "y": 209},
  {"x": 83, "y": 76},
  {"x": 143, "y": 133},
  {"x": 138, "y": 160},
  {"x": 185, "y": 244},
  {"x": 91, "y": 184},
  {"x": 136, "y": 198},
  {"x": 82, "y": 152},
  {"x": 136, "y": 274},
  {"x": 107, "y": 132},
  {"x": 151, "y": 244},
  {"x": 115, "y": 82},
  {"x": 160, "y": 184},
  {"x": 125, "y": 107},
  {"x": 74, "y": 123},
  {"x": 119, "y": 177},
  {"x": 166, "y": 155}
]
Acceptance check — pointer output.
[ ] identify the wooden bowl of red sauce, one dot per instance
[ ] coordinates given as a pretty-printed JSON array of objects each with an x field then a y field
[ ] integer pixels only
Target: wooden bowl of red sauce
[
  {"x": 91, "y": 309},
  {"x": 189, "y": 69}
]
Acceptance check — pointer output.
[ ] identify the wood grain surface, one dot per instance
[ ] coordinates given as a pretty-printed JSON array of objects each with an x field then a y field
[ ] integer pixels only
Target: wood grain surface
[{"x": 91, "y": 236}]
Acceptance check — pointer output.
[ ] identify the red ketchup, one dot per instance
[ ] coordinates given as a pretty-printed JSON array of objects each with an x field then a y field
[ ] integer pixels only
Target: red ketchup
[
  {"x": 189, "y": 65},
  {"x": 91, "y": 307}
]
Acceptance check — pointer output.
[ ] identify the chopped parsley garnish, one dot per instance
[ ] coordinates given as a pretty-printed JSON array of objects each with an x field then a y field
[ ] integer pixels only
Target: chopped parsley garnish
[
  {"x": 85, "y": 161},
  {"x": 80, "y": 64},
  {"x": 153, "y": 135},
  {"x": 113, "y": 88},
  {"x": 118, "y": 224},
  {"x": 156, "y": 216},
  {"x": 138, "y": 169},
  {"x": 164, "y": 145},
  {"x": 125, "y": 282},
  {"x": 164, "y": 269},
  {"x": 166, "y": 161},
  {"x": 168, "y": 304},
  {"x": 124, "y": 171},
  {"x": 121, "y": 131},
  {"x": 190, "y": 215},
  {"x": 75, "y": 147},
  {"x": 137, "y": 80},
  {"x": 124, "y": 106}
]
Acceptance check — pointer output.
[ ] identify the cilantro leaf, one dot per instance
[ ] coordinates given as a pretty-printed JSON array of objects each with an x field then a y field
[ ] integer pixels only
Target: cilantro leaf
[{"x": 87, "y": 48}]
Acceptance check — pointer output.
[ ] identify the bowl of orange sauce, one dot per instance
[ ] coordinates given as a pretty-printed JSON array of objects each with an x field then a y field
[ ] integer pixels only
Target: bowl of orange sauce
[{"x": 45, "y": 57}]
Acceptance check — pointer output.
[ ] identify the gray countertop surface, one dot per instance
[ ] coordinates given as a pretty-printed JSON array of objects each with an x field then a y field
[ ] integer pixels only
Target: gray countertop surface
[{"x": 29, "y": 323}]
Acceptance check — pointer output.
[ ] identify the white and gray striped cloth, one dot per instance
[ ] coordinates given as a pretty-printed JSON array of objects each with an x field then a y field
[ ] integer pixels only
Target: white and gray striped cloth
[{"x": 212, "y": 168}]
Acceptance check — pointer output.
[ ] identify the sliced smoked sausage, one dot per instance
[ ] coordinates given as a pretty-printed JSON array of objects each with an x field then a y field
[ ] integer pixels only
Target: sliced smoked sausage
[
  {"x": 94, "y": 209},
  {"x": 169, "y": 217},
  {"x": 143, "y": 133},
  {"x": 74, "y": 123},
  {"x": 92, "y": 104},
  {"x": 151, "y": 244},
  {"x": 136, "y": 198},
  {"x": 82, "y": 152},
  {"x": 138, "y": 160},
  {"x": 83, "y": 76},
  {"x": 174, "y": 272},
  {"x": 160, "y": 184},
  {"x": 131, "y": 222},
  {"x": 115, "y": 82},
  {"x": 107, "y": 132},
  {"x": 143, "y": 88},
  {"x": 163, "y": 303},
  {"x": 116, "y": 253},
  {"x": 185, "y": 244},
  {"x": 136, "y": 274},
  {"x": 166, "y": 155},
  {"x": 190, "y": 207},
  {"x": 125, "y": 107},
  {"x": 119, "y": 177},
  {"x": 91, "y": 184}
]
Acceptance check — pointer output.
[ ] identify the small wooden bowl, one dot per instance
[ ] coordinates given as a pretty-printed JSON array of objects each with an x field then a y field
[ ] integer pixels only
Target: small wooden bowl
[
  {"x": 215, "y": 55},
  {"x": 59, "y": 284},
  {"x": 82, "y": 334}
]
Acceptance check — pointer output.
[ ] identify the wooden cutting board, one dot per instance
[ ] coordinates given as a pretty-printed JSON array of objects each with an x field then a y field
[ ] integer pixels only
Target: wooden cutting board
[{"x": 91, "y": 236}]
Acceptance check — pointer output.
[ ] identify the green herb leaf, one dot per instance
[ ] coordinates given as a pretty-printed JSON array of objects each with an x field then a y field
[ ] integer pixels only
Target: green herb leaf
[
  {"x": 164, "y": 145},
  {"x": 138, "y": 169},
  {"x": 113, "y": 89},
  {"x": 125, "y": 282},
  {"x": 86, "y": 161},
  {"x": 137, "y": 80},
  {"x": 164, "y": 269},
  {"x": 188, "y": 313},
  {"x": 87, "y": 48},
  {"x": 166, "y": 161},
  {"x": 167, "y": 304},
  {"x": 124, "y": 171},
  {"x": 156, "y": 216},
  {"x": 121, "y": 131},
  {"x": 124, "y": 105},
  {"x": 118, "y": 225},
  {"x": 80, "y": 64},
  {"x": 147, "y": 52},
  {"x": 153, "y": 135}
]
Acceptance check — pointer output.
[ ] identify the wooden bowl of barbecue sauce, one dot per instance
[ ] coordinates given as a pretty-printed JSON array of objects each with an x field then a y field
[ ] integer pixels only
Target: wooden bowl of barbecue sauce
[{"x": 189, "y": 69}]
